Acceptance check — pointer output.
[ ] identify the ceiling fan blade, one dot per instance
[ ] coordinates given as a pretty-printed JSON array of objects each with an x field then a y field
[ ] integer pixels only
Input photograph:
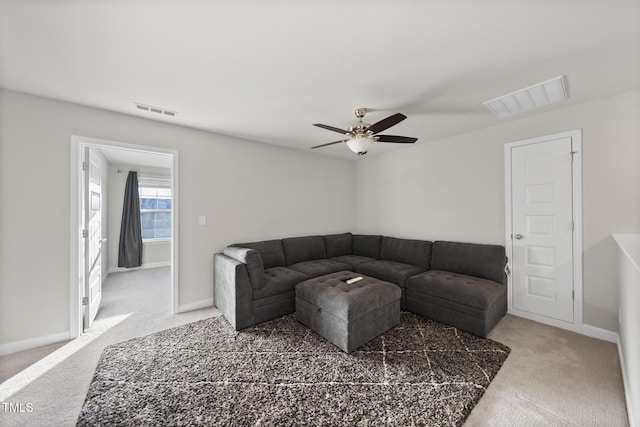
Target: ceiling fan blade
[
  {"x": 386, "y": 123},
  {"x": 329, "y": 143},
  {"x": 397, "y": 139},
  {"x": 331, "y": 128}
]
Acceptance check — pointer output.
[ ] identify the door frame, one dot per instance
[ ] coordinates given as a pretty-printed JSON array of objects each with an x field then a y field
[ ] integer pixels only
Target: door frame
[
  {"x": 576, "y": 183},
  {"x": 78, "y": 143}
]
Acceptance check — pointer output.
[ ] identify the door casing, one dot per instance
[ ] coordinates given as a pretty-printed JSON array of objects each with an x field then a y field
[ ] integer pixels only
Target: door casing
[
  {"x": 576, "y": 141},
  {"x": 76, "y": 282}
]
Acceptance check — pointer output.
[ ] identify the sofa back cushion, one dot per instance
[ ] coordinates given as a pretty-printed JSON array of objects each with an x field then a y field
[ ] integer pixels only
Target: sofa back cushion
[
  {"x": 407, "y": 251},
  {"x": 472, "y": 259},
  {"x": 338, "y": 244},
  {"x": 270, "y": 251},
  {"x": 299, "y": 249},
  {"x": 367, "y": 245}
]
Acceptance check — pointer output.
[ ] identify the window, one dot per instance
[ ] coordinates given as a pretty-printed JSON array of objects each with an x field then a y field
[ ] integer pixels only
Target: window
[{"x": 155, "y": 208}]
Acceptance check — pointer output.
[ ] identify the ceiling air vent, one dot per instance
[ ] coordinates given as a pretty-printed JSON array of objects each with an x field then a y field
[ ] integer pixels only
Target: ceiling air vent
[
  {"x": 152, "y": 109},
  {"x": 526, "y": 99}
]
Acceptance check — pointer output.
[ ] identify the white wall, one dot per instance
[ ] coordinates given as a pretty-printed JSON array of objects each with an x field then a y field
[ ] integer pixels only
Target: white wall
[
  {"x": 247, "y": 190},
  {"x": 453, "y": 189},
  {"x": 629, "y": 336},
  {"x": 156, "y": 253}
]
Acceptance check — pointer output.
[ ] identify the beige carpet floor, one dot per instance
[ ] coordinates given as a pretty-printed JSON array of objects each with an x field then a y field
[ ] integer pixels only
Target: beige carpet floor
[{"x": 552, "y": 377}]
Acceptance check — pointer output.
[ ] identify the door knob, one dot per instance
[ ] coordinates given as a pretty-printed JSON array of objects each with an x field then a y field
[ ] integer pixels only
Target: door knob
[{"x": 518, "y": 236}]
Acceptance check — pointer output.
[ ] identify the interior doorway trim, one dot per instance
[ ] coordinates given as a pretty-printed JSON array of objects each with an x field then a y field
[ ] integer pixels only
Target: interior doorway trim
[
  {"x": 576, "y": 178},
  {"x": 78, "y": 143}
]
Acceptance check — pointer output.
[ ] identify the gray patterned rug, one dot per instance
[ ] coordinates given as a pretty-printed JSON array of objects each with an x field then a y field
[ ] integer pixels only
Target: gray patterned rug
[{"x": 281, "y": 373}]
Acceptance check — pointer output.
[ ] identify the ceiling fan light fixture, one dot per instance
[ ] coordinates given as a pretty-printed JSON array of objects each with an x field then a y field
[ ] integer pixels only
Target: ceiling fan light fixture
[
  {"x": 361, "y": 135},
  {"x": 359, "y": 144}
]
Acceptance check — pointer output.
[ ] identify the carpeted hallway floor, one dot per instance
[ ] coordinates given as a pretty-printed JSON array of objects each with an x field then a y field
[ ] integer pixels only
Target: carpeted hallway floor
[{"x": 552, "y": 377}]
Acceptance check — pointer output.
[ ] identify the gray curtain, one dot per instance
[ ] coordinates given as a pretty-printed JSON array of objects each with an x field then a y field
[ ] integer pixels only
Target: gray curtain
[{"x": 130, "y": 248}]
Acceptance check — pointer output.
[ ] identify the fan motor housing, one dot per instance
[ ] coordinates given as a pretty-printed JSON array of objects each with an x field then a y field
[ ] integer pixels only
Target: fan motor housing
[{"x": 359, "y": 128}]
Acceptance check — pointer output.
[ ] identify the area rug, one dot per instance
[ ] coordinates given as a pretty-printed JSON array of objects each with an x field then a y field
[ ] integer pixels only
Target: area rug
[{"x": 281, "y": 373}]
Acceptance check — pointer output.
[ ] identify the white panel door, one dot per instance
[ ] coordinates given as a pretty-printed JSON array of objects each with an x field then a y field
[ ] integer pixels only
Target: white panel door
[
  {"x": 93, "y": 235},
  {"x": 542, "y": 228}
]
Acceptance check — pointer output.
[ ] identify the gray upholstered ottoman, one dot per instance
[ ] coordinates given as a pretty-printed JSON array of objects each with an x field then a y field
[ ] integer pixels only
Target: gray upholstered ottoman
[{"x": 348, "y": 315}]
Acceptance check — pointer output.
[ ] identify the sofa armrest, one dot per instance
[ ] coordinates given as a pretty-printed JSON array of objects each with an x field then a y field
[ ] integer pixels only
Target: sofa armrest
[
  {"x": 233, "y": 293},
  {"x": 253, "y": 261}
]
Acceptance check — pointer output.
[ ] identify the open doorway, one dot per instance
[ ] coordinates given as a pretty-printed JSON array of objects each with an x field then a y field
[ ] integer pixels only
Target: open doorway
[{"x": 98, "y": 166}]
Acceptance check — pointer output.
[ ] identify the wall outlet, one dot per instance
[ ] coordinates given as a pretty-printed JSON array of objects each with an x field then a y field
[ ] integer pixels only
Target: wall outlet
[{"x": 202, "y": 220}]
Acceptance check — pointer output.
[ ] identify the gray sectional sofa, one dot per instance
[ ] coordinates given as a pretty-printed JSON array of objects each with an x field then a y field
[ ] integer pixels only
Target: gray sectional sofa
[{"x": 460, "y": 284}]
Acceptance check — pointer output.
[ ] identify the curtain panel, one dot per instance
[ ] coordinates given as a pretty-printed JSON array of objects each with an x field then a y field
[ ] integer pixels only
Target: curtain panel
[{"x": 130, "y": 247}]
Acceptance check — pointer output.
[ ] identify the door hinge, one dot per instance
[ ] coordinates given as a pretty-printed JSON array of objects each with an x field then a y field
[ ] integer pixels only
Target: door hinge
[
  {"x": 573, "y": 225},
  {"x": 573, "y": 295},
  {"x": 573, "y": 154},
  {"x": 507, "y": 270},
  {"x": 85, "y": 166},
  {"x": 85, "y": 300},
  {"x": 85, "y": 234}
]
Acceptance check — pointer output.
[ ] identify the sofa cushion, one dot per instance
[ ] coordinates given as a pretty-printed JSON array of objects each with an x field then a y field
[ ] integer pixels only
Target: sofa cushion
[
  {"x": 279, "y": 280},
  {"x": 299, "y": 249},
  {"x": 406, "y": 251},
  {"x": 253, "y": 262},
  {"x": 472, "y": 259},
  {"x": 270, "y": 251},
  {"x": 353, "y": 260},
  {"x": 338, "y": 244},
  {"x": 367, "y": 245},
  {"x": 466, "y": 290},
  {"x": 319, "y": 267},
  {"x": 389, "y": 271}
]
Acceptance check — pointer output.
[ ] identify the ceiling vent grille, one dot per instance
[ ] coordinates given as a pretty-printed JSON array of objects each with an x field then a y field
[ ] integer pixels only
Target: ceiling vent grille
[
  {"x": 157, "y": 110},
  {"x": 526, "y": 99}
]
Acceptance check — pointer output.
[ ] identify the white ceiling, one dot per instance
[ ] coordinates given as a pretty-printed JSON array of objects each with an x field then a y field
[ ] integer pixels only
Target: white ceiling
[
  {"x": 267, "y": 70},
  {"x": 124, "y": 156}
]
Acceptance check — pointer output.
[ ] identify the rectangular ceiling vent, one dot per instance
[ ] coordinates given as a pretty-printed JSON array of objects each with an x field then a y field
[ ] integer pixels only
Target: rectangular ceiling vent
[
  {"x": 157, "y": 110},
  {"x": 526, "y": 99}
]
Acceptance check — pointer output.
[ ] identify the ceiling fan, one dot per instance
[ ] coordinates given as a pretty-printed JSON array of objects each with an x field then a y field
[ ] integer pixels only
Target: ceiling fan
[{"x": 361, "y": 135}]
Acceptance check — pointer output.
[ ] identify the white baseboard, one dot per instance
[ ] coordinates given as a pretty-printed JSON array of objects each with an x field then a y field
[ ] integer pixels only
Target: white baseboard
[
  {"x": 602, "y": 334},
  {"x": 573, "y": 327},
  {"x": 584, "y": 329},
  {"x": 28, "y": 344},
  {"x": 625, "y": 381},
  {"x": 142, "y": 267},
  {"x": 195, "y": 305}
]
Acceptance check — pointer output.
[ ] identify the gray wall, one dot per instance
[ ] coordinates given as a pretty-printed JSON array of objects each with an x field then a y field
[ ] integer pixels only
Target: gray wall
[
  {"x": 449, "y": 189},
  {"x": 247, "y": 190},
  {"x": 453, "y": 189}
]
